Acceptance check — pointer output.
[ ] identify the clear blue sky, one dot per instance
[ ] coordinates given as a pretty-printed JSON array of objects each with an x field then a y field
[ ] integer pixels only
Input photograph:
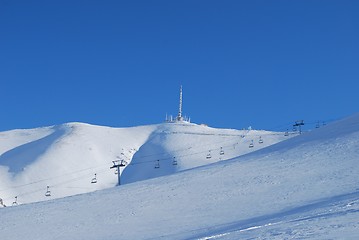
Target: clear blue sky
[{"x": 120, "y": 63}]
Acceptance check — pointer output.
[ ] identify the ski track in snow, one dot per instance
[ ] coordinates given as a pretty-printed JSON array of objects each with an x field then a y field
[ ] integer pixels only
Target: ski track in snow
[{"x": 323, "y": 209}]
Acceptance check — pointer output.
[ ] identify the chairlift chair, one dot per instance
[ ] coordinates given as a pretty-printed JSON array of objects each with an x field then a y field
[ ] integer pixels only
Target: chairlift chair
[
  {"x": 94, "y": 180},
  {"x": 157, "y": 165},
  {"x": 260, "y": 140},
  {"x": 2, "y": 203},
  {"x": 15, "y": 202},
  {"x": 221, "y": 152},
  {"x": 286, "y": 133},
  {"x": 251, "y": 144},
  {"x": 174, "y": 162},
  {"x": 209, "y": 155},
  {"x": 48, "y": 192}
]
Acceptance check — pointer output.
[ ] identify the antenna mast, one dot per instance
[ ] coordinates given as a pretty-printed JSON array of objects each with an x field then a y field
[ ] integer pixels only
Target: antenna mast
[{"x": 179, "y": 117}]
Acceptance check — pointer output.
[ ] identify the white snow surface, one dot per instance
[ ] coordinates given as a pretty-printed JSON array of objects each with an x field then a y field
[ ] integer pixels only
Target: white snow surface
[
  {"x": 306, "y": 187},
  {"x": 67, "y": 157}
]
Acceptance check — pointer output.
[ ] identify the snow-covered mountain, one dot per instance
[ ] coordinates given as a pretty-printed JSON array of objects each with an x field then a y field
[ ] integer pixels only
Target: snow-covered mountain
[
  {"x": 67, "y": 157},
  {"x": 306, "y": 187}
]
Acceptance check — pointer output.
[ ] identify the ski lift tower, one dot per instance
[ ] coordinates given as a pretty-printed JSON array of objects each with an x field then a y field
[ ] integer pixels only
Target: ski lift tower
[
  {"x": 298, "y": 124},
  {"x": 118, "y": 164}
]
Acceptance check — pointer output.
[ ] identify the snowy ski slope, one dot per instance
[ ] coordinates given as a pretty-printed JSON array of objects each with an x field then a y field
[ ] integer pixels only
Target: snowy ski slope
[
  {"x": 304, "y": 188},
  {"x": 67, "y": 157}
]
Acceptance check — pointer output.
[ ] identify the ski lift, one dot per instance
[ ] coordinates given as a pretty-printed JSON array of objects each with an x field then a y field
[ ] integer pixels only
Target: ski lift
[
  {"x": 15, "y": 202},
  {"x": 2, "y": 203},
  {"x": 260, "y": 140},
  {"x": 294, "y": 129},
  {"x": 317, "y": 125},
  {"x": 157, "y": 165},
  {"x": 286, "y": 133},
  {"x": 48, "y": 193},
  {"x": 94, "y": 180},
  {"x": 221, "y": 152},
  {"x": 117, "y": 164},
  {"x": 209, "y": 155},
  {"x": 251, "y": 144},
  {"x": 174, "y": 162}
]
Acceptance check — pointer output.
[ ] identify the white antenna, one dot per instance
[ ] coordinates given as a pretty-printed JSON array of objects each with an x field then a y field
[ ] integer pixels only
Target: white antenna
[{"x": 179, "y": 117}]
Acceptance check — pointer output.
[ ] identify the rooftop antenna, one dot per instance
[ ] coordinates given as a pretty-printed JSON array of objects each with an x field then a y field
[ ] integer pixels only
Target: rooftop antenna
[{"x": 179, "y": 117}]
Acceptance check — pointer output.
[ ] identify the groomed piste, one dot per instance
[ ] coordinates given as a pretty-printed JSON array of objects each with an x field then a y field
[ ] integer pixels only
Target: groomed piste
[{"x": 304, "y": 186}]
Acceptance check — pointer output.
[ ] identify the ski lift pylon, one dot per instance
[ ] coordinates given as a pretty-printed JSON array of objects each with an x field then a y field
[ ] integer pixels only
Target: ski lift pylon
[{"x": 286, "y": 133}]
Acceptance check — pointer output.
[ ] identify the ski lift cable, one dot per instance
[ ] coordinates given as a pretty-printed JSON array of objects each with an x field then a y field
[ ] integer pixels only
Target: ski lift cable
[
  {"x": 87, "y": 175},
  {"x": 52, "y": 178},
  {"x": 162, "y": 159},
  {"x": 105, "y": 165},
  {"x": 57, "y": 185},
  {"x": 150, "y": 155},
  {"x": 132, "y": 164}
]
